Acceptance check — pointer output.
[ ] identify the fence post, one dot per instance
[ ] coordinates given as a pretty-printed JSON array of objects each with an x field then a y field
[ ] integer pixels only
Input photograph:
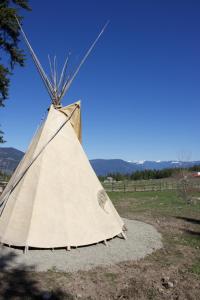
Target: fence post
[
  {"x": 112, "y": 186},
  {"x": 124, "y": 187}
]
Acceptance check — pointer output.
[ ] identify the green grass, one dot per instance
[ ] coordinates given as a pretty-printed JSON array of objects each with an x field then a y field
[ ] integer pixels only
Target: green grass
[
  {"x": 189, "y": 240},
  {"x": 165, "y": 203},
  {"x": 111, "y": 276},
  {"x": 162, "y": 204},
  {"x": 195, "y": 269}
]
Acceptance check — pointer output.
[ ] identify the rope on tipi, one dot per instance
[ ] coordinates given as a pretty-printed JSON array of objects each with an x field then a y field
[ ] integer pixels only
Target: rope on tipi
[{"x": 3, "y": 201}]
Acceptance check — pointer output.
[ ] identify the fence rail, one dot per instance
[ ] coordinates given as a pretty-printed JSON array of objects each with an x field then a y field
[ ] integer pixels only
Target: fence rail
[{"x": 148, "y": 186}]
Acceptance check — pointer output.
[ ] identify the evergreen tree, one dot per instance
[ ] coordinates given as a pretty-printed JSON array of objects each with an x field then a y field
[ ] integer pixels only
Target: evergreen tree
[
  {"x": 195, "y": 168},
  {"x": 1, "y": 137},
  {"x": 9, "y": 41}
]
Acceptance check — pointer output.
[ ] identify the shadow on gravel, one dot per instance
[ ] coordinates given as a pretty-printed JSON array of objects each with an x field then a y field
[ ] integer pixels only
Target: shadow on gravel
[
  {"x": 190, "y": 220},
  {"x": 19, "y": 283}
]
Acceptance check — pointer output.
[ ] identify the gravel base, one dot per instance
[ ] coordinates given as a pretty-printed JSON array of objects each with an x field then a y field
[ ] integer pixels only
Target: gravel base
[{"x": 142, "y": 239}]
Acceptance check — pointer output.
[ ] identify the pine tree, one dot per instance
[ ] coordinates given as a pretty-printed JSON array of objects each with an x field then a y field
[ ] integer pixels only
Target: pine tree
[{"x": 9, "y": 41}]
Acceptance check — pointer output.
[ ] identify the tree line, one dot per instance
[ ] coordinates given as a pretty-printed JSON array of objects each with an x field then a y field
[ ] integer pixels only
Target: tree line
[
  {"x": 137, "y": 175},
  {"x": 4, "y": 177},
  {"x": 150, "y": 174}
]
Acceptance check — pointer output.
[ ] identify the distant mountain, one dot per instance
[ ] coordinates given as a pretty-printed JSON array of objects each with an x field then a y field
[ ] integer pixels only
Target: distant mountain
[
  {"x": 10, "y": 157},
  {"x": 105, "y": 166}
]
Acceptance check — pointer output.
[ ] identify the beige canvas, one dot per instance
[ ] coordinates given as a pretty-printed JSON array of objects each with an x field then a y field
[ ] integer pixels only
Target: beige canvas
[
  {"x": 59, "y": 201},
  {"x": 74, "y": 110}
]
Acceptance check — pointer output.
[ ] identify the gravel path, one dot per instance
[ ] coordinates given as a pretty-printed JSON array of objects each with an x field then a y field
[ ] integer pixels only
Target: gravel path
[{"x": 142, "y": 239}]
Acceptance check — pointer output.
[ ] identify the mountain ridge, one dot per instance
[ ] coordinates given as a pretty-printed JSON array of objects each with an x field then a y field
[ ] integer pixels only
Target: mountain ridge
[
  {"x": 106, "y": 166},
  {"x": 10, "y": 157}
]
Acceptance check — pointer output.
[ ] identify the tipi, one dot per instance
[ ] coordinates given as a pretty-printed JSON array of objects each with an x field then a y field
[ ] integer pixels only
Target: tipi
[{"x": 54, "y": 198}]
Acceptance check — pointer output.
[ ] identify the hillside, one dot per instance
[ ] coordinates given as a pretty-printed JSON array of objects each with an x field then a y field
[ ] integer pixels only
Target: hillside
[
  {"x": 105, "y": 166},
  {"x": 10, "y": 157}
]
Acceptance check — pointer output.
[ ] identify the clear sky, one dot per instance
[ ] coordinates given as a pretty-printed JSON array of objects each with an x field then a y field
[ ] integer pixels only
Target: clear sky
[{"x": 140, "y": 88}]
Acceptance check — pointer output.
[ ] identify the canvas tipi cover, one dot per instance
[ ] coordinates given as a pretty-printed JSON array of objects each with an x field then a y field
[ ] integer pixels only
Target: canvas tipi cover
[{"x": 54, "y": 198}]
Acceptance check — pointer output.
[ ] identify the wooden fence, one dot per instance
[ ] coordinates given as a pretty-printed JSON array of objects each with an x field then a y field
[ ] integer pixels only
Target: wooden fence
[{"x": 149, "y": 185}]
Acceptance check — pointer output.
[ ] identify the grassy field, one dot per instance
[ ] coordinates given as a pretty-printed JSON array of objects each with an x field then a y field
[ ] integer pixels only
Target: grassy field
[
  {"x": 170, "y": 273},
  {"x": 165, "y": 203}
]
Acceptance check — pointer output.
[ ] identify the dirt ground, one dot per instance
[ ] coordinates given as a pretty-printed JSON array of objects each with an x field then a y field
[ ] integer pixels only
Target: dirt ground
[{"x": 170, "y": 273}]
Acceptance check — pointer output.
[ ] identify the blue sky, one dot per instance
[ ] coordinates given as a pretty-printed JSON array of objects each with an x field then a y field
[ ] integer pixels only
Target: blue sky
[{"x": 140, "y": 88}]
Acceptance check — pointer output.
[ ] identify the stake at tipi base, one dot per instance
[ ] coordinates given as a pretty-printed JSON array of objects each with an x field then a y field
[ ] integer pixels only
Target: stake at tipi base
[
  {"x": 123, "y": 235},
  {"x": 25, "y": 249},
  {"x": 105, "y": 243}
]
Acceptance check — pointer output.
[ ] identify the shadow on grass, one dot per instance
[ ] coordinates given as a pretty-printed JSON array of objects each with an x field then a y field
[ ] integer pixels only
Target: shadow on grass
[
  {"x": 19, "y": 283},
  {"x": 191, "y": 232},
  {"x": 190, "y": 220}
]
